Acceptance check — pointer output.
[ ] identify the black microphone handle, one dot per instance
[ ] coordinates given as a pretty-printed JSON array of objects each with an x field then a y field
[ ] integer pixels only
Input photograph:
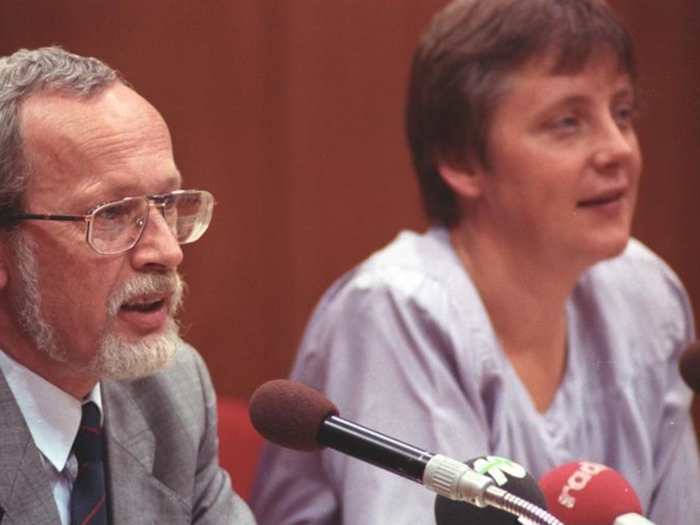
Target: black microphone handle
[
  {"x": 373, "y": 447},
  {"x": 447, "y": 477},
  {"x": 288, "y": 414}
]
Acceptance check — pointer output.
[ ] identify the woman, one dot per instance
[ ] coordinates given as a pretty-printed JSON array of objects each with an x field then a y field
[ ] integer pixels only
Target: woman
[{"x": 525, "y": 323}]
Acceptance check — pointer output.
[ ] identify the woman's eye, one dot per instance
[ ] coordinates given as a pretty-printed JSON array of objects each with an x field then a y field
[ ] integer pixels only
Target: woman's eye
[
  {"x": 566, "y": 123},
  {"x": 624, "y": 116}
]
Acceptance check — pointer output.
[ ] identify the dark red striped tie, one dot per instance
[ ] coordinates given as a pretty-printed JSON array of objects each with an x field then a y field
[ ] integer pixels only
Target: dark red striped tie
[{"x": 87, "y": 502}]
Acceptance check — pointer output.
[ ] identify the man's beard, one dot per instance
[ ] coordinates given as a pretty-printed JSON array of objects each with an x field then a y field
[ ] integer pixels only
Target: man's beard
[{"x": 116, "y": 358}]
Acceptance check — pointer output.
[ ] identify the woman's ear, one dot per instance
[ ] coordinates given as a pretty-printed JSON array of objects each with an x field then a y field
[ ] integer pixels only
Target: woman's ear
[{"x": 465, "y": 181}]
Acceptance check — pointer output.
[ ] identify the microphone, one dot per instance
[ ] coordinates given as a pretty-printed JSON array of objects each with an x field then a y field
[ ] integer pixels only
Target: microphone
[
  {"x": 690, "y": 366},
  {"x": 296, "y": 416},
  {"x": 587, "y": 493},
  {"x": 509, "y": 476}
]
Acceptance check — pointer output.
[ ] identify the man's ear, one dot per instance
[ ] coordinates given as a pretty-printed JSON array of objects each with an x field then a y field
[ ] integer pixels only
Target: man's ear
[{"x": 466, "y": 182}]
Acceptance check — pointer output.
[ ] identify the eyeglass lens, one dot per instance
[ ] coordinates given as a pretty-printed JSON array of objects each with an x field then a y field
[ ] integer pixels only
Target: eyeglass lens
[{"x": 117, "y": 226}]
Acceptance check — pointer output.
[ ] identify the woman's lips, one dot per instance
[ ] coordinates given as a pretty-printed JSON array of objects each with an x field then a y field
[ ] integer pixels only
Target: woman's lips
[{"x": 602, "y": 199}]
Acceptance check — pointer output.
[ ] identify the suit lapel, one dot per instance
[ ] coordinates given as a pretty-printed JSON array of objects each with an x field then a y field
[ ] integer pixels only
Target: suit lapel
[
  {"x": 134, "y": 494},
  {"x": 25, "y": 492}
]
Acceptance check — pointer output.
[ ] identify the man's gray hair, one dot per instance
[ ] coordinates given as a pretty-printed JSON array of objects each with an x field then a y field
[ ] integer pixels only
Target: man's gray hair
[{"x": 23, "y": 74}]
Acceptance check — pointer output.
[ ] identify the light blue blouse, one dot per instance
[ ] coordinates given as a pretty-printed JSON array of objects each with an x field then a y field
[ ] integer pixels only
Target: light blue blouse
[{"x": 403, "y": 344}]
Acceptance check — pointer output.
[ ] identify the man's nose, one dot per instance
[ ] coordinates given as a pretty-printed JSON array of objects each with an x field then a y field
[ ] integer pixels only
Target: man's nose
[{"x": 158, "y": 245}]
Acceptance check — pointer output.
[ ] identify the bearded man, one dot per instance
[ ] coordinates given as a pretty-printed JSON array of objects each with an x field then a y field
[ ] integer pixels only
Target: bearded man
[{"x": 92, "y": 219}]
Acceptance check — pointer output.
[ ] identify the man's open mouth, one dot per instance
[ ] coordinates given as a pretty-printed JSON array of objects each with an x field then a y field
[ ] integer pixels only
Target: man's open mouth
[{"x": 143, "y": 306}]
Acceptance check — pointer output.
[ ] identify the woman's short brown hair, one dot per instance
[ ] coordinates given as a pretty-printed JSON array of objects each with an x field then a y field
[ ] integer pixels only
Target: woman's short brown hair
[{"x": 461, "y": 66}]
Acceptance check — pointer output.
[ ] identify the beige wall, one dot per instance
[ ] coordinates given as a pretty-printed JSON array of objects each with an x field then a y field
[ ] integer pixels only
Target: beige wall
[{"x": 292, "y": 113}]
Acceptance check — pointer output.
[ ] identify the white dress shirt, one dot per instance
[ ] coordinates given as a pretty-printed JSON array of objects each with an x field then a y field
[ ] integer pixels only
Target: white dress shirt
[{"x": 53, "y": 417}]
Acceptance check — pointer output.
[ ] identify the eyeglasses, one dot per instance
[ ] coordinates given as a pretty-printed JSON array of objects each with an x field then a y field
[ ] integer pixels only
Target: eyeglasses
[{"x": 116, "y": 226}]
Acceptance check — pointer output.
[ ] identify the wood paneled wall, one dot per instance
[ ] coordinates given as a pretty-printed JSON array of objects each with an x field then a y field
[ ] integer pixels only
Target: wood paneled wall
[{"x": 292, "y": 113}]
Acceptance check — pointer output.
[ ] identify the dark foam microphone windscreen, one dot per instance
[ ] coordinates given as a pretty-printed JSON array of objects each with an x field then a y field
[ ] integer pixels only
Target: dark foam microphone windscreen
[
  {"x": 587, "y": 493},
  {"x": 509, "y": 476},
  {"x": 289, "y": 413}
]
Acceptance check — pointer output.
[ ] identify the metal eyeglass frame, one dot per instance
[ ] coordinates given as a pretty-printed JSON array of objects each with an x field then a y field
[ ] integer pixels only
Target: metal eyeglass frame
[{"x": 158, "y": 201}]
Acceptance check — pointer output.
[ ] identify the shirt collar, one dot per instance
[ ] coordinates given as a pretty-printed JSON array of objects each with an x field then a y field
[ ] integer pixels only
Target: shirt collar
[{"x": 52, "y": 415}]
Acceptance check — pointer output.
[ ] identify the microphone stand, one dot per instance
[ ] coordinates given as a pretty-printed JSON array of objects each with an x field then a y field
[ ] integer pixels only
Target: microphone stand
[{"x": 531, "y": 513}]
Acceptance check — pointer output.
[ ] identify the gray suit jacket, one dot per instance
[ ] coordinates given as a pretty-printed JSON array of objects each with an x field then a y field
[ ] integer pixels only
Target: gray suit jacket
[{"x": 162, "y": 451}]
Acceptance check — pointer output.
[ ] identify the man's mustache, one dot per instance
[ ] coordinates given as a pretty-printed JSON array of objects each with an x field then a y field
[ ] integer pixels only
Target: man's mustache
[{"x": 170, "y": 283}]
